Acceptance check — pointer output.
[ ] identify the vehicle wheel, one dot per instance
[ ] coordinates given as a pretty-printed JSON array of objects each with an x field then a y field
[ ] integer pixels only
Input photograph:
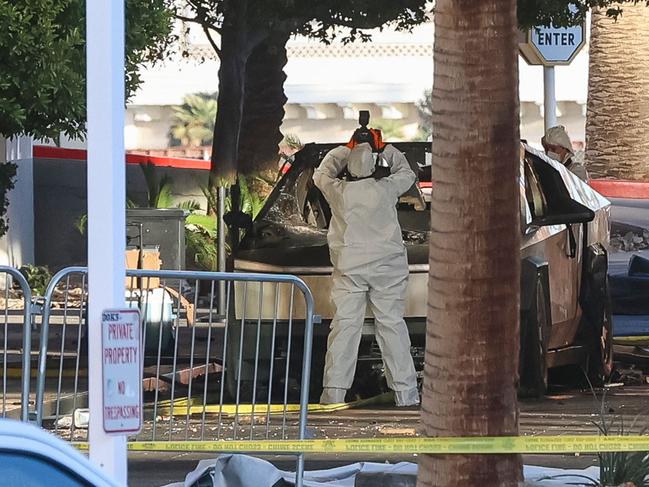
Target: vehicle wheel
[
  {"x": 535, "y": 332},
  {"x": 596, "y": 332},
  {"x": 600, "y": 356}
]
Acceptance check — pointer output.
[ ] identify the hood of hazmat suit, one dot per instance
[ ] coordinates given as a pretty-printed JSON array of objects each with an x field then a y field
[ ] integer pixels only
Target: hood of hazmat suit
[{"x": 361, "y": 161}]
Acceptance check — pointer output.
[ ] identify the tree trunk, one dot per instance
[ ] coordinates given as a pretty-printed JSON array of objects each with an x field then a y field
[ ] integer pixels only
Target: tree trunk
[
  {"x": 263, "y": 108},
  {"x": 229, "y": 107},
  {"x": 617, "y": 120},
  {"x": 471, "y": 360}
]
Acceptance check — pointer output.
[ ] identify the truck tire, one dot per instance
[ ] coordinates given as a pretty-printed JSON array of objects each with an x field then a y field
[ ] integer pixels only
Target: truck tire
[
  {"x": 600, "y": 357},
  {"x": 596, "y": 331},
  {"x": 535, "y": 333}
]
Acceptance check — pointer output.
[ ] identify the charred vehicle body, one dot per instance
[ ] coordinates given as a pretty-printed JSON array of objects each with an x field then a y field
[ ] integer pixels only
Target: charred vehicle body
[{"x": 565, "y": 313}]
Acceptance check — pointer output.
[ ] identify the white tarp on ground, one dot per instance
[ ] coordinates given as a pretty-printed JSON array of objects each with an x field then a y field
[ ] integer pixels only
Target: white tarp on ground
[{"x": 247, "y": 471}]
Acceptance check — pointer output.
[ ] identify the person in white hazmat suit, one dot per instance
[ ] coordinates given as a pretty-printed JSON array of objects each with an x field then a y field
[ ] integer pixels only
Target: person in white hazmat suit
[{"x": 370, "y": 267}]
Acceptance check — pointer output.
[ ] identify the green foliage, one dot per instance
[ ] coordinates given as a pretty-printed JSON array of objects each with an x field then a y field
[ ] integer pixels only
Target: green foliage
[
  {"x": 391, "y": 130},
  {"x": 194, "y": 120},
  {"x": 621, "y": 468},
  {"x": 251, "y": 202},
  {"x": 245, "y": 25},
  {"x": 615, "y": 468},
  {"x": 293, "y": 142},
  {"x": 201, "y": 249},
  {"x": 81, "y": 223},
  {"x": 159, "y": 190},
  {"x": 38, "y": 277},
  {"x": 42, "y": 53},
  {"x": 565, "y": 12},
  {"x": 206, "y": 223},
  {"x": 7, "y": 177},
  {"x": 200, "y": 228},
  {"x": 320, "y": 20},
  {"x": 190, "y": 205}
]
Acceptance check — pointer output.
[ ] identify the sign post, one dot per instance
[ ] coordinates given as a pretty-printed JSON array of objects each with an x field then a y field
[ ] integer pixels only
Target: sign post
[
  {"x": 549, "y": 98},
  {"x": 106, "y": 210},
  {"x": 552, "y": 46}
]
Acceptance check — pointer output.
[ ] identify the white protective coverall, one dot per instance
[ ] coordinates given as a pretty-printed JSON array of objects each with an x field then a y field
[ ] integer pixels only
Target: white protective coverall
[{"x": 370, "y": 267}]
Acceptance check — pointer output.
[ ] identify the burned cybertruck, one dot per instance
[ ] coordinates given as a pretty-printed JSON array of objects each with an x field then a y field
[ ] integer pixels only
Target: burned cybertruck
[{"x": 565, "y": 311}]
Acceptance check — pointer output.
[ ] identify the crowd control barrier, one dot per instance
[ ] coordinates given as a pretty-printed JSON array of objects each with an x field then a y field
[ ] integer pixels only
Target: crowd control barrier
[
  {"x": 16, "y": 324},
  {"x": 210, "y": 374}
]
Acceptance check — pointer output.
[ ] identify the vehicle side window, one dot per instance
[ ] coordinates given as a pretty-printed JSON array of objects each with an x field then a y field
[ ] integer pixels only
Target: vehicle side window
[
  {"x": 533, "y": 191},
  {"x": 20, "y": 469},
  {"x": 311, "y": 202},
  {"x": 316, "y": 209}
]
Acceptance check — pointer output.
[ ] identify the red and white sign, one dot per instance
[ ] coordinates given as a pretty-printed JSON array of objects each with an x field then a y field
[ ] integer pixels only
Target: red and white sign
[{"x": 121, "y": 351}]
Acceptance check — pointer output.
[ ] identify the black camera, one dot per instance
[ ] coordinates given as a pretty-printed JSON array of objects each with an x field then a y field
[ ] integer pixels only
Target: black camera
[{"x": 363, "y": 134}]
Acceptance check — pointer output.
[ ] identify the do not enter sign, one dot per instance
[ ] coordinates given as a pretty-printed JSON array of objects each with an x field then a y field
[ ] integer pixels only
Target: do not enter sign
[
  {"x": 551, "y": 45},
  {"x": 121, "y": 371}
]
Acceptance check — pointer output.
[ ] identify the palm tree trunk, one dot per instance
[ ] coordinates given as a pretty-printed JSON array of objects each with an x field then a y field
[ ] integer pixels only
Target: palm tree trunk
[
  {"x": 617, "y": 120},
  {"x": 471, "y": 361},
  {"x": 263, "y": 108}
]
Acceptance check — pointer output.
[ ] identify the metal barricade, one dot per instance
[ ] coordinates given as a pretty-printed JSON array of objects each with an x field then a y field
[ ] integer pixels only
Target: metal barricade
[
  {"x": 16, "y": 324},
  {"x": 61, "y": 381},
  {"x": 209, "y": 373}
]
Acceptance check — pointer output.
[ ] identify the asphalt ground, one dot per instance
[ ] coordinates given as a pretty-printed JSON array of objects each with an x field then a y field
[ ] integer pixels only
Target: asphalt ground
[{"x": 562, "y": 413}]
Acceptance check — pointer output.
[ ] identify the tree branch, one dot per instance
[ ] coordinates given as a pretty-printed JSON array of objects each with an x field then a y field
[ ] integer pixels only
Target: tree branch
[
  {"x": 188, "y": 19},
  {"x": 208, "y": 34}
]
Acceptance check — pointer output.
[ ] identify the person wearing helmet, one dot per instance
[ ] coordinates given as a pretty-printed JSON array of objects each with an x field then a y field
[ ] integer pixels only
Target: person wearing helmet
[
  {"x": 557, "y": 145},
  {"x": 370, "y": 267}
]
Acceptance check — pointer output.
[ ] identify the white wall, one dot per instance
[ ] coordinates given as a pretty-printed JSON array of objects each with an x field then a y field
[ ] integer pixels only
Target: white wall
[{"x": 17, "y": 246}]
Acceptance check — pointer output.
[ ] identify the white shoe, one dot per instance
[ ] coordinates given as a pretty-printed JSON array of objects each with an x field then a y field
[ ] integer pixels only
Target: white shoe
[
  {"x": 407, "y": 398},
  {"x": 333, "y": 395}
]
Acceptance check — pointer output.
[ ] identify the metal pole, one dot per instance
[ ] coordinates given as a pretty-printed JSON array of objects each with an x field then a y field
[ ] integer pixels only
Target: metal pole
[
  {"x": 549, "y": 98},
  {"x": 106, "y": 209},
  {"x": 221, "y": 245}
]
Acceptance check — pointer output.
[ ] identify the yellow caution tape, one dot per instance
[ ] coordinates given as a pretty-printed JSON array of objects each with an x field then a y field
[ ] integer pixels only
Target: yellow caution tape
[
  {"x": 477, "y": 445},
  {"x": 182, "y": 407},
  {"x": 631, "y": 340}
]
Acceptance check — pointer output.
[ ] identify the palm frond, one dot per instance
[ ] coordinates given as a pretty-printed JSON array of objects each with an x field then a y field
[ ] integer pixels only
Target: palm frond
[
  {"x": 189, "y": 205},
  {"x": 194, "y": 119},
  {"x": 81, "y": 223},
  {"x": 206, "y": 223},
  {"x": 164, "y": 197}
]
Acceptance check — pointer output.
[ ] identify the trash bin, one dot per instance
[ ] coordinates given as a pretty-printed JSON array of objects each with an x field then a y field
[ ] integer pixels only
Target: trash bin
[
  {"x": 158, "y": 228},
  {"x": 156, "y": 306}
]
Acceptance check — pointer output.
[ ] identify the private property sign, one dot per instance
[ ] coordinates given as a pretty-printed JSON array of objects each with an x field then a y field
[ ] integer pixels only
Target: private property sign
[
  {"x": 552, "y": 46},
  {"x": 121, "y": 371}
]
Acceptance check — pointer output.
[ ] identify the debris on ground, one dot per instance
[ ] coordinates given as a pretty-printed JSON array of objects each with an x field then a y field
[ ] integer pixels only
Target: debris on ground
[
  {"x": 396, "y": 431},
  {"x": 629, "y": 375},
  {"x": 628, "y": 238},
  {"x": 64, "y": 422}
]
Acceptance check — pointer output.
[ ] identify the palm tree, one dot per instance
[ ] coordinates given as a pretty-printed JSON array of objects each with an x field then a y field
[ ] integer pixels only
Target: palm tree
[
  {"x": 194, "y": 120},
  {"x": 471, "y": 363},
  {"x": 617, "y": 119}
]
